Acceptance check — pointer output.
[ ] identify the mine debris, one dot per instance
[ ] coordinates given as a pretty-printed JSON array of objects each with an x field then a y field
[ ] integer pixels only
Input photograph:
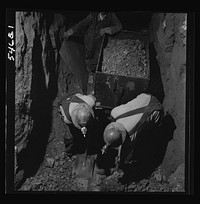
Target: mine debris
[
  {"x": 125, "y": 57},
  {"x": 50, "y": 162}
]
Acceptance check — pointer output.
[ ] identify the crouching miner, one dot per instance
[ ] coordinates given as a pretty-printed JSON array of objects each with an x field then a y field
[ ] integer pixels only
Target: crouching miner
[
  {"x": 77, "y": 113},
  {"x": 129, "y": 121}
]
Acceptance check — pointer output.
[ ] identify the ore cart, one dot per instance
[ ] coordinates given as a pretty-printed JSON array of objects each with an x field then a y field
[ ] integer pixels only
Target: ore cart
[{"x": 114, "y": 88}]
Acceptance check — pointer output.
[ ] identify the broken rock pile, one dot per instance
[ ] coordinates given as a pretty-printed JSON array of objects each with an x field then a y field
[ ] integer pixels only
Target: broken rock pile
[{"x": 125, "y": 57}]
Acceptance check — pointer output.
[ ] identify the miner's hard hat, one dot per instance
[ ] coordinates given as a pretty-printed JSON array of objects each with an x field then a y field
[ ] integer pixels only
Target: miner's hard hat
[
  {"x": 114, "y": 134},
  {"x": 81, "y": 114}
]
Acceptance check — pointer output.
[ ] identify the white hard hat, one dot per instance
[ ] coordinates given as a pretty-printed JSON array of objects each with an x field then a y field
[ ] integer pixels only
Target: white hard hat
[
  {"x": 81, "y": 114},
  {"x": 114, "y": 134}
]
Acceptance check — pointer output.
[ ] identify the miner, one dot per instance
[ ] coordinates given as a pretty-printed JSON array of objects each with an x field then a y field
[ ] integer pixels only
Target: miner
[
  {"x": 128, "y": 122},
  {"x": 93, "y": 27},
  {"x": 76, "y": 111}
]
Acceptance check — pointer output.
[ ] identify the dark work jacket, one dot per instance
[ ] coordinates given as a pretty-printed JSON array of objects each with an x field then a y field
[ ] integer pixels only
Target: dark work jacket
[
  {"x": 145, "y": 122},
  {"x": 92, "y": 26}
]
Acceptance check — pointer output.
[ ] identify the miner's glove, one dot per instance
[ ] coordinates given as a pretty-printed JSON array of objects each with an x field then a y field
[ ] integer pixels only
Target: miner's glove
[
  {"x": 68, "y": 33},
  {"x": 105, "y": 30}
]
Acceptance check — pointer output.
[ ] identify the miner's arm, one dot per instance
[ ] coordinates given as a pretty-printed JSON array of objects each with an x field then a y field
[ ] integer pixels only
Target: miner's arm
[
  {"x": 114, "y": 27},
  {"x": 115, "y": 24},
  {"x": 79, "y": 26}
]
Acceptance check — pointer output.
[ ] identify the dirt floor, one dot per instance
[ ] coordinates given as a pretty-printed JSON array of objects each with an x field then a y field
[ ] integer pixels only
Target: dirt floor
[{"x": 55, "y": 173}]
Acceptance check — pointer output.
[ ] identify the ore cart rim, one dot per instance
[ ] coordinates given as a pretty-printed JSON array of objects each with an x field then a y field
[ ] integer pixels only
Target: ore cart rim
[
  {"x": 141, "y": 36},
  {"x": 132, "y": 35}
]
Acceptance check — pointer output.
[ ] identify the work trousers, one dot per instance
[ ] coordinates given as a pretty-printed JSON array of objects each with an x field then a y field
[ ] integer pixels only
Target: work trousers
[{"x": 150, "y": 126}]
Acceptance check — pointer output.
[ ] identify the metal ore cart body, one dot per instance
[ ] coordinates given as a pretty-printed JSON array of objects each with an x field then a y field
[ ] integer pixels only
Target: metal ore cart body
[{"x": 113, "y": 89}]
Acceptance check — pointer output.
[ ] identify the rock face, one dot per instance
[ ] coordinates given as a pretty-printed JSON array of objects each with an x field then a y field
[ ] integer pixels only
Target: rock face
[
  {"x": 168, "y": 33},
  {"x": 35, "y": 86}
]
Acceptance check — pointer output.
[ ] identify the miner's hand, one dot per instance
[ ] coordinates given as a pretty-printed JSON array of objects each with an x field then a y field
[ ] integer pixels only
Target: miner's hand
[
  {"x": 68, "y": 33},
  {"x": 105, "y": 30}
]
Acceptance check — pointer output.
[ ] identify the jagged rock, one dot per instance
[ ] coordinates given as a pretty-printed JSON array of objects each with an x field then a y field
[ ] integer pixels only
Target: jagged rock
[
  {"x": 62, "y": 155},
  {"x": 50, "y": 162},
  {"x": 35, "y": 83},
  {"x": 177, "y": 179},
  {"x": 169, "y": 38},
  {"x": 158, "y": 177}
]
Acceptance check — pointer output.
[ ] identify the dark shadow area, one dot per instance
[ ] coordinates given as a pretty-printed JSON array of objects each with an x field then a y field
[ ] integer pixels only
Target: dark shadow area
[
  {"x": 32, "y": 156},
  {"x": 51, "y": 64},
  {"x": 155, "y": 86},
  {"x": 149, "y": 151},
  {"x": 133, "y": 20},
  {"x": 73, "y": 54},
  {"x": 77, "y": 39},
  {"x": 97, "y": 131},
  {"x": 75, "y": 143},
  {"x": 107, "y": 161}
]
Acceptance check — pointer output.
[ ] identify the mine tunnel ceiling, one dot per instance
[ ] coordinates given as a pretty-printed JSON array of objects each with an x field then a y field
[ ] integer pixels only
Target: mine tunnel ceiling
[{"x": 131, "y": 20}]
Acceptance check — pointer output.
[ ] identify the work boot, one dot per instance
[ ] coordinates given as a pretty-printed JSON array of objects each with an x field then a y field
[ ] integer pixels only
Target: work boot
[
  {"x": 100, "y": 165},
  {"x": 99, "y": 170}
]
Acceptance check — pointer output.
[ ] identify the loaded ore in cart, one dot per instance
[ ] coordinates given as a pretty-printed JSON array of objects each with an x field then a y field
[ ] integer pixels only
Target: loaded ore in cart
[
  {"x": 125, "y": 57},
  {"x": 123, "y": 68}
]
